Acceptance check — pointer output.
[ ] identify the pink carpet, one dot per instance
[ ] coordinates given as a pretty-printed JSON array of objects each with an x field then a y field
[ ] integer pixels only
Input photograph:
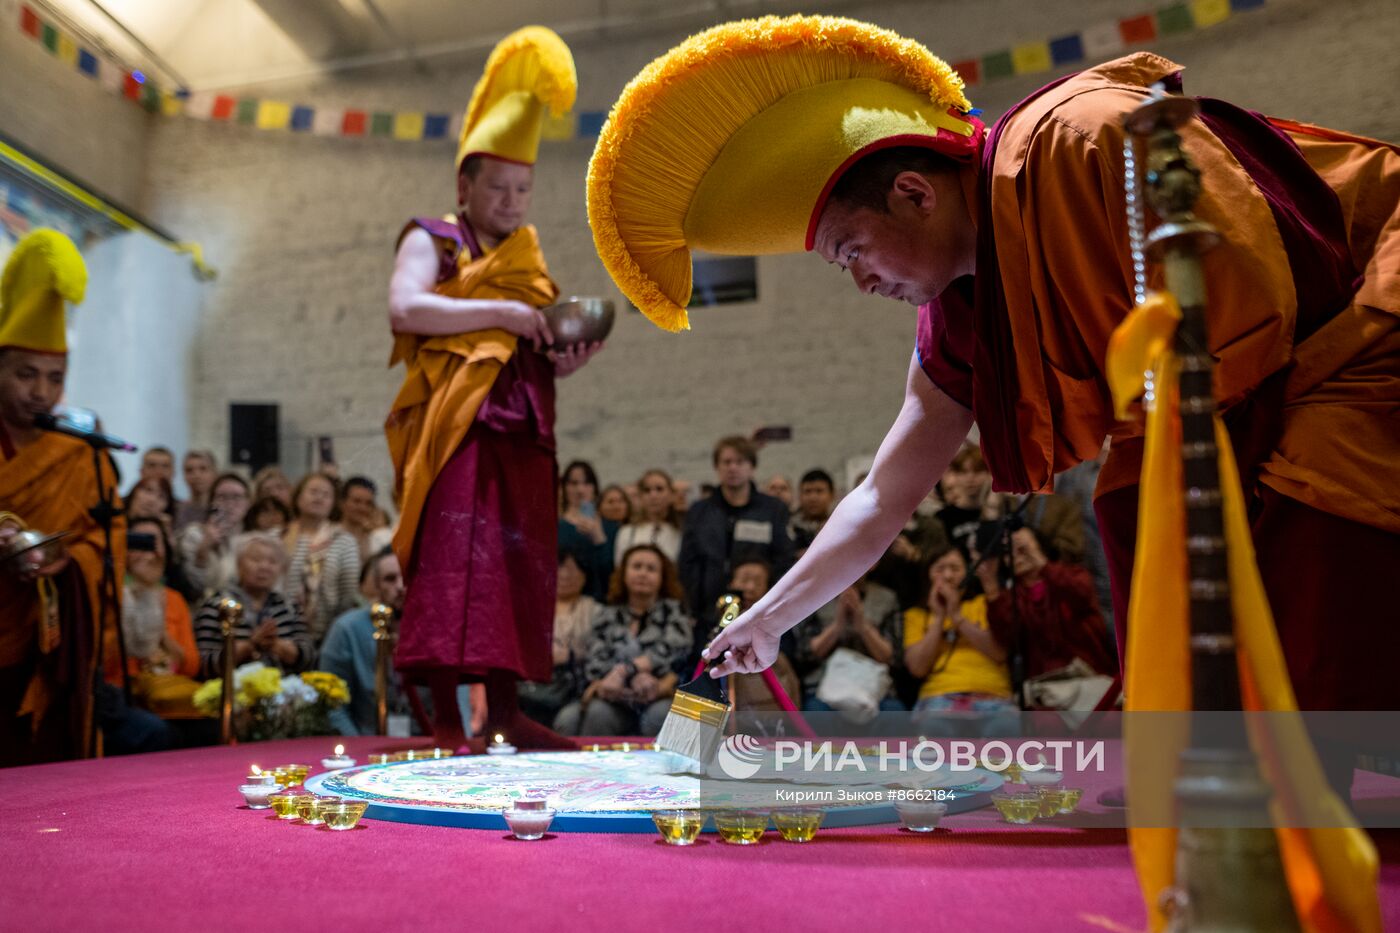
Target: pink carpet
[{"x": 161, "y": 841}]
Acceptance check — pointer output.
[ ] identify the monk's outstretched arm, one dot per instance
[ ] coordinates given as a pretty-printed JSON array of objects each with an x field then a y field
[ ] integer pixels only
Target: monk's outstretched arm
[
  {"x": 415, "y": 308},
  {"x": 913, "y": 455}
]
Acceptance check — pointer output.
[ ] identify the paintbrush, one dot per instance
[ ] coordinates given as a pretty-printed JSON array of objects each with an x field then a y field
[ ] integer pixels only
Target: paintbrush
[{"x": 695, "y": 725}]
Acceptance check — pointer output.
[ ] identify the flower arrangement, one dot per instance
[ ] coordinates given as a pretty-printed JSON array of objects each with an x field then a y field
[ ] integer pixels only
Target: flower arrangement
[{"x": 268, "y": 705}]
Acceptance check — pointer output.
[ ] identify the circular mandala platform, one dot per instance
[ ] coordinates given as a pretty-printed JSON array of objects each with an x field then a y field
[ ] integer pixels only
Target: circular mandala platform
[{"x": 592, "y": 791}]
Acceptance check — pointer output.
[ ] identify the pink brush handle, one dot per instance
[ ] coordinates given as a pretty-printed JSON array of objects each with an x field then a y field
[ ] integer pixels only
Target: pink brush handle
[{"x": 779, "y": 694}]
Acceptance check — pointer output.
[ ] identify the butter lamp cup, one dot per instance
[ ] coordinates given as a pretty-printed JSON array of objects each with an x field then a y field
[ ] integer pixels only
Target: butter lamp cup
[
  {"x": 920, "y": 816},
  {"x": 1018, "y": 808},
  {"x": 798, "y": 824},
  {"x": 741, "y": 827},
  {"x": 679, "y": 827},
  {"x": 343, "y": 815},
  {"x": 310, "y": 808}
]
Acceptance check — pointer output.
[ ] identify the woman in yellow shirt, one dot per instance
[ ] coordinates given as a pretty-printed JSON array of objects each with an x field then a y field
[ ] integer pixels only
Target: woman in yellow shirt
[{"x": 966, "y": 687}]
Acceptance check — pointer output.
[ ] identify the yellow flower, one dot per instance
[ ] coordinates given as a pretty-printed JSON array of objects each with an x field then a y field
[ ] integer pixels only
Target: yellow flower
[
  {"x": 264, "y": 683},
  {"x": 206, "y": 699}
]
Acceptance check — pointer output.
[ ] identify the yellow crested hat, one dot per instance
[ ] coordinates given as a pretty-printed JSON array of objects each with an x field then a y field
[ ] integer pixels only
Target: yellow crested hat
[
  {"x": 44, "y": 270},
  {"x": 732, "y": 141},
  {"x": 528, "y": 70}
]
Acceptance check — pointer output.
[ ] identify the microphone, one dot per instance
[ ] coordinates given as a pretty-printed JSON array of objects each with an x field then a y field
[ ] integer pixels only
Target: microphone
[{"x": 95, "y": 439}]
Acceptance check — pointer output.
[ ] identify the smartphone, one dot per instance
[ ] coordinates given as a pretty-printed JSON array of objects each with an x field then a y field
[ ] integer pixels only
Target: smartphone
[
  {"x": 774, "y": 432},
  {"x": 140, "y": 541},
  {"x": 326, "y": 449},
  {"x": 588, "y": 510}
]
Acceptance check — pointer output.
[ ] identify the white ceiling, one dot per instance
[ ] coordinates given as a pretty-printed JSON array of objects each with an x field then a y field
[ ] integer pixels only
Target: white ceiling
[{"x": 218, "y": 44}]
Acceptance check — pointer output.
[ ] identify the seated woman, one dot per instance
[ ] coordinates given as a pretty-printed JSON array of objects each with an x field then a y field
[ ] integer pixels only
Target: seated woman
[
  {"x": 271, "y": 629},
  {"x": 948, "y": 645},
  {"x": 635, "y": 645},
  {"x": 205, "y": 554},
  {"x": 657, "y": 522},
  {"x": 1055, "y": 617},
  {"x": 267, "y": 514},
  {"x": 614, "y": 506},
  {"x": 573, "y": 621},
  {"x": 864, "y": 619},
  {"x": 161, "y": 656},
  {"x": 582, "y": 530},
  {"x": 324, "y": 571}
]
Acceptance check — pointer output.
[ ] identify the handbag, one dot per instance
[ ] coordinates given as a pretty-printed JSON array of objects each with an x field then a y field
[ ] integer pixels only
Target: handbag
[
  {"x": 1076, "y": 686},
  {"x": 854, "y": 684}
]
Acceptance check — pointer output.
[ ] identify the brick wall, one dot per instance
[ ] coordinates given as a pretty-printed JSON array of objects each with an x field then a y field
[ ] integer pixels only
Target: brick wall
[{"x": 302, "y": 231}]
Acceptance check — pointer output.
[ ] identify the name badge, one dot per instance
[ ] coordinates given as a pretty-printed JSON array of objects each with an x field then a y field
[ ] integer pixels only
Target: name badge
[{"x": 753, "y": 532}]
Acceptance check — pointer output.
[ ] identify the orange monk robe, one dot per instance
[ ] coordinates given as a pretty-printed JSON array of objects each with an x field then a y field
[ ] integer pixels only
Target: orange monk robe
[
  {"x": 1062, "y": 246},
  {"x": 50, "y": 485},
  {"x": 448, "y": 377}
]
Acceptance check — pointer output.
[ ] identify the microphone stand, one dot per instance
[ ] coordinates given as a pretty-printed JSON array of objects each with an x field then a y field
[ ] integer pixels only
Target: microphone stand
[{"x": 105, "y": 513}]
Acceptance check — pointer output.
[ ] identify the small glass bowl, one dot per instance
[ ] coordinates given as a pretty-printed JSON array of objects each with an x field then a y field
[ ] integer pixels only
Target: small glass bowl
[
  {"x": 343, "y": 815},
  {"x": 1069, "y": 801},
  {"x": 679, "y": 827},
  {"x": 741, "y": 827},
  {"x": 798, "y": 824},
  {"x": 310, "y": 808},
  {"x": 529, "y": 819},
  {"x": 284, "y": 803},
  {"x": 1052, "y": 800},
  {"x": 1017, "y": 808},
  {"x": 920, "y": 816},
  {"x": 256, "y": 795}
]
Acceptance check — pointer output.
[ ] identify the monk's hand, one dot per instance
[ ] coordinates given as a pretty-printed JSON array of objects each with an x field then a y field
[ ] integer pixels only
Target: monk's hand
[
  {"x": 744, "y": 646},
  {"x": 571, "y": 359},
  {"x": 30, "y": 570},
  {"x": 526, "y": 322}
]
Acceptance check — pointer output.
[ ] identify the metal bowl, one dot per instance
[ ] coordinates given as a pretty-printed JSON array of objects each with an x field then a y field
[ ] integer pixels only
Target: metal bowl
[
  {"x": 32, "y": 550},
  {"x": 579, "y": 320}
]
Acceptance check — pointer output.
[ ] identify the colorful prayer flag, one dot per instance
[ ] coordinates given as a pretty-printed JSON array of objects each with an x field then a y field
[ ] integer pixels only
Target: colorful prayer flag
[
  {"x": 1238, "y": 5},
  {"x": 150, "y": 97},
  {"x": 1174, "y": 19},
  {"x": 224, "y": 107},
  {"x": 200, "y": 105},
  {"x": 87, "y": 63},
  {"x": 328, "y": 121},
  {"x": 67, "y": 50},
  {"x": 302, "y": 118},
  {"x": 1209, "y": 12},
  {"x": 998, "y": 65},
  {"x": 1030, "y": 57},
  {"x": 29, "y": 22},
  {"x": 409, "y": 125},
  {"x": 1102, "y": 41},
  {"x": 272, "y": 115},
  {"x": 590, "y": 123},
  {"x": 246, "y": 112},
  {"x": 970, "y": 71},
  {"x": 381, "y": 124},
  {"x": 110, "y": 75},
  {"x": 355, "y": 123},
  {"x": 171, "y": 104},
  {"x": 557, "y": 128},
  {"x": 1138, "y": 29},
  {"x": 1066, "y": 49},
  {"x": 131, "y": 88},
  {"x": 49, "y": 37},
  {"x": 435, "y": 126}
]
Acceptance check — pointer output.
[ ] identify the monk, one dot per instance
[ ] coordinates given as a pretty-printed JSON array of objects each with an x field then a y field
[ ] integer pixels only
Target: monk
[
  {"x": 472, "y": 430},
  {"x": 1013, "y": 246},
  {"x": 49, "y": 622}
]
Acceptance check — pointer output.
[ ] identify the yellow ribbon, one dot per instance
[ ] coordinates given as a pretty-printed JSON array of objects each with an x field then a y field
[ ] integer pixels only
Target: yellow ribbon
[{"x": 1332, "y": 871}]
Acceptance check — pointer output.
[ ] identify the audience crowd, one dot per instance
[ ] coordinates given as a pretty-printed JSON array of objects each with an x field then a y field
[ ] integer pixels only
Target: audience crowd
[{"x": 978, "y": 595}]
